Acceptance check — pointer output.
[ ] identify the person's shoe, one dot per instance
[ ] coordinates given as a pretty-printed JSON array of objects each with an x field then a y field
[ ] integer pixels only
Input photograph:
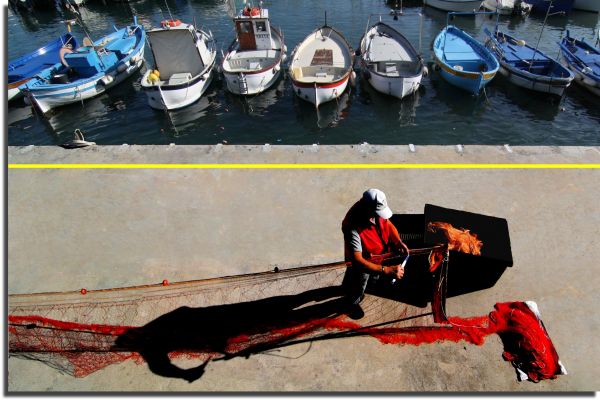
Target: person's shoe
[{"x": 355, "y": 312}]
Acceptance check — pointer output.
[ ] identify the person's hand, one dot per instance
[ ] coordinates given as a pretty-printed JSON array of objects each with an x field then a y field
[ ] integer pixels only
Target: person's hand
[
  {"x": 403, "y": 248},
  {"x": 399, "y": 271}
]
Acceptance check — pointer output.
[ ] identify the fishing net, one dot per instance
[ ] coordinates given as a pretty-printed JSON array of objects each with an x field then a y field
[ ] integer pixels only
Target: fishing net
[{"x": 83, "y": 331}]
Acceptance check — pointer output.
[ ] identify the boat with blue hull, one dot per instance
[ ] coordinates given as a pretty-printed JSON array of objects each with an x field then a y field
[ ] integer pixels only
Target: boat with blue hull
[
  {"x": 462, "y": 60},
  {"x": 541, "y": 6},
  {"x": 27, "y": 66},
  {"x": 527, "y": 67},
  {"x": 89, "y": 70},
  {"x": 583, "y": 60}
]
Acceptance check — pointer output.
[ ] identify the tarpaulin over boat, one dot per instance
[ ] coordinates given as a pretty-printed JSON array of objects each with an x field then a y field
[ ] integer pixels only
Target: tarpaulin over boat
[{"x": 175, "y": 52}]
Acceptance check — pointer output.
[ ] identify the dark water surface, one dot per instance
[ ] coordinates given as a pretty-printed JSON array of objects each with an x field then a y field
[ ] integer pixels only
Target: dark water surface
[{"x": 437, "y": 114}]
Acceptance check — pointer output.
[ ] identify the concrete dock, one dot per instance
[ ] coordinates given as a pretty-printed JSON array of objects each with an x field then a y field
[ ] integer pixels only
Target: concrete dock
[{"x": 113, "y": 227}]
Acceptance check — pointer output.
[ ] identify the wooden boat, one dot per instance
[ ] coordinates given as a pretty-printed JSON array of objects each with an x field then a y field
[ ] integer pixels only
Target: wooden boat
[
  {"x": 455, "y": 5},
  {"x": 508, "y": 7},
  {"x": 253, "y": 61},
  {"x": 321, "y": 66},
  {"x": 90, "y": 70},
  {"x": 27, "y": 66},
  {"x": 462, "y": 60},
  {"x": 184, "y": 58},
  {"x": 587, "y": 5},
  {"x": 583, "y": 60},
  {"x": 542, "y": 6},
  {"x": 389, "y": 62},
  {"x": 527, "y": 67}
]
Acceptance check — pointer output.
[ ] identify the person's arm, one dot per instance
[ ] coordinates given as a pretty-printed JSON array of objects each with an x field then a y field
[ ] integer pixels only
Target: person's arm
[
  {"x": 395, "y": 236},
  {"x": 393, "y": 270}
]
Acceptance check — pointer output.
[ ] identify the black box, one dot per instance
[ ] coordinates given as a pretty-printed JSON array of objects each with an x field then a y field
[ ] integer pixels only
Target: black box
[{"x": 466, "y": 272}]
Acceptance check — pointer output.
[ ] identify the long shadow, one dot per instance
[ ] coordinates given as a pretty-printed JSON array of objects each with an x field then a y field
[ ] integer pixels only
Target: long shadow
[
  {"x": 237, "y": 330},
  {"x": 211, "y": 330}
]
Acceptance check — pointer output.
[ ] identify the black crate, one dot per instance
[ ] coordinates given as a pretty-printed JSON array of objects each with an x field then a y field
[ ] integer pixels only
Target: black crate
[{"x": 466, "y": 273}]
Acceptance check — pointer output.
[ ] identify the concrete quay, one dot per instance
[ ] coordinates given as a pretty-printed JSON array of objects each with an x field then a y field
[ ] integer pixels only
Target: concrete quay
[{"x": 101, "y": 228}]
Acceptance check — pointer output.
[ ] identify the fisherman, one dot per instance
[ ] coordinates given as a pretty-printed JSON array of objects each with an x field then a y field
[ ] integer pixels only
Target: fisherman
[{"x": 368, "y": 232}]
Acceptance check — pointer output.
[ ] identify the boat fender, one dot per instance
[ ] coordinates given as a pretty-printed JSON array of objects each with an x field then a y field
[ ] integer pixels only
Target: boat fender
[
  {"x": 276, "y": 68},
  {"x": 353, "y": 79},
  {"x": 284, "y": 57},
  {"x": 206, "y": 76},
  {"x": 458, "y": 67},
  {"x": 425, "y": 71},
  {"x": 284, "y": 48},
  {"x": 122, "y": 67},
  {"x": 170, "y": 23},
  {"x": 587, "y": 70},
  {"x": 106, "y": 80},
  {"x": 153, "y": 78},
  {"x": 521, "y": 42}
]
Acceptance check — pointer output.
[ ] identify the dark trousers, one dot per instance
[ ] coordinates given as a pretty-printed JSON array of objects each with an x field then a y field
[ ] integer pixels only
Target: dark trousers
[{"x": 355, "y": 283}]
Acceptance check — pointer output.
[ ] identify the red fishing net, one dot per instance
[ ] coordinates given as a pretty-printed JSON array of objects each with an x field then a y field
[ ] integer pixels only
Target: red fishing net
[{"x": 217, "y": 319}]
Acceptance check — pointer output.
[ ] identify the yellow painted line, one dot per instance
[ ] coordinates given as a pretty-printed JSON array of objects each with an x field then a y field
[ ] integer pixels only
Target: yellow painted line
[{"x": 303, "y": 166}]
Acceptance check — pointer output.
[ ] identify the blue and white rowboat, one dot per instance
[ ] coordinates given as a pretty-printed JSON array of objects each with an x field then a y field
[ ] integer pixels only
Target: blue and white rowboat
[
  {"x": 90, "y": 70},
  {"x": 583, "y": 60},
  {"x": 462, "y": 60},
  {"x": 27, "y": 66},
  {"x": 527, "y": 67}
]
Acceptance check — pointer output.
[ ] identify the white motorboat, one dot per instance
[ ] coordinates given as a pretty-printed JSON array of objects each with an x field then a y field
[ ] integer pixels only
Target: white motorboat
[
  {"x": 253, "y": 61},
  {"x": 321, "y": 66},
  {"x": 184, "y": 58},
  {"x": 508, "y": 7},
  {"x": 389, "y": 62},
  {"x": 455, "y": 5}
]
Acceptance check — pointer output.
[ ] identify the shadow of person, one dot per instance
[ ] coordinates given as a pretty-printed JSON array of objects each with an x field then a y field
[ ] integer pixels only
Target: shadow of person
[{"x": 227, "y": 331}]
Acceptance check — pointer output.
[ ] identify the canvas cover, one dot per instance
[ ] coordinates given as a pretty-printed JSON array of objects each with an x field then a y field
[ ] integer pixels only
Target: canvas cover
[{"x": 175, "y": 52}]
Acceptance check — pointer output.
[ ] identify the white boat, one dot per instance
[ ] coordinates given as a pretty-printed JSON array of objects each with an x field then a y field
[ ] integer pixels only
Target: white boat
[
  {"x": 321, "y": 66},
  {"x": 184, "y": 58},
  {"x": 253, "y": 61},
  {"x": 587, "y": 5},
  {"x": 389, "y": 62},
  {"x": 455, "y": 5},
  {"x": 508, "y": 7}
]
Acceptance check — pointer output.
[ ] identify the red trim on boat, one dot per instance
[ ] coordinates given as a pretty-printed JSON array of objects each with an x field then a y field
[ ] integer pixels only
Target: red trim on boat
[{"x": 321, "y": 85}]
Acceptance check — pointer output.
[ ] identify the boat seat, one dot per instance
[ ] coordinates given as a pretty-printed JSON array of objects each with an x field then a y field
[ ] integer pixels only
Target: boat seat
[
  {"x": 178, "y": 79},
  {"x": 462, "y": 56},
  {"x": 85, "y": 62},
  {"x": 121, "y": 47}
]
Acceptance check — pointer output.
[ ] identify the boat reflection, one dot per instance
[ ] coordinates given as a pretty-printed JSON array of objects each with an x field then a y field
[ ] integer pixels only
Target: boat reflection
[
  {"x": 536, "y": 105},
  {"x": 257, "y": 105},
  {"x": 457, "y": 100},
  {"x": 328, "y": 115},
  {"x": 391, "y": 111}
]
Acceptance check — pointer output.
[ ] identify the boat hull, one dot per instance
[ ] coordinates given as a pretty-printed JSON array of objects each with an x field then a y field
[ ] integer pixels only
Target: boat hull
[
  {"x": 505, "y": 7},
  {"x": 173, "y": 98},
  {"x": 587, "y": 5},
  {"x": 454, "y": 5},
  {"x": 46, "y": 100},
  {"x": 252, "y": 83},
  {"x": 396, "y": 87},
  {"x": 319, "y": 94},
  {"x": 585, "y": 76},
  {"x": 556, "y": 87}
]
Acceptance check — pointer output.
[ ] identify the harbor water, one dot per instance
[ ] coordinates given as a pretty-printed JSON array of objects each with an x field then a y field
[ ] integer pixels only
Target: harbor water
[{"x": 437, "y": 114}]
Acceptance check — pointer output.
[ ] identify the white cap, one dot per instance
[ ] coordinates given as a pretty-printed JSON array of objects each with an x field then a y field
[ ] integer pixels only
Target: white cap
[{"x": 376, "y": 199}]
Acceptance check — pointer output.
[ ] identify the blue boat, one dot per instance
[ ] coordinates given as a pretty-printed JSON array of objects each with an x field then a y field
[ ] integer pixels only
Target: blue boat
[
  {"x": 583, "y": 60},
  {"x": 89, "y": 70},
  {"x": 541, "y": 6},
  {"x": 27, "y": 66},
  {"x": 527, "y": 67},
  {"x": 462, "y": 60}
]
